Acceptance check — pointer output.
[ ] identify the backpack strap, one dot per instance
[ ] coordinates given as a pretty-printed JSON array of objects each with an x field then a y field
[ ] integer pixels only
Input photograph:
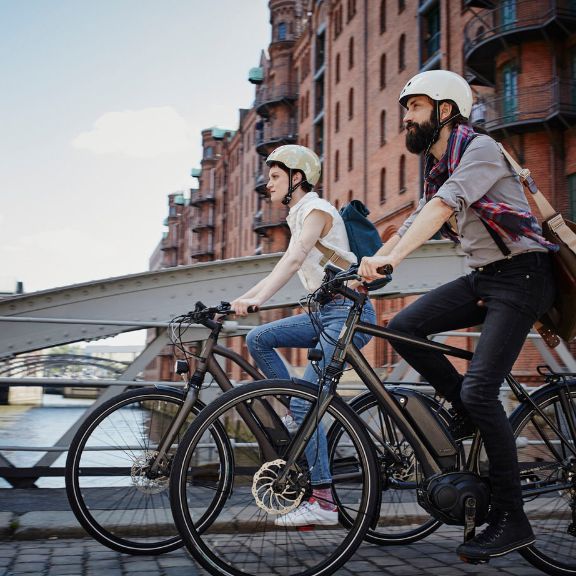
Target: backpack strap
[{"x": 331, "y": 256}]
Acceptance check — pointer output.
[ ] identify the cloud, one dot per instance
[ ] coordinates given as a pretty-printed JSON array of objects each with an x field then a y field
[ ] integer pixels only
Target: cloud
[{"x": 147, "y": 133}]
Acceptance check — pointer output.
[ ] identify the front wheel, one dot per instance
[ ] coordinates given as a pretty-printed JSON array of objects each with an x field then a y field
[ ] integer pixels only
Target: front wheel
[
  {"x": 248, "y": 537},
  {"x": 547, "y": 456}
]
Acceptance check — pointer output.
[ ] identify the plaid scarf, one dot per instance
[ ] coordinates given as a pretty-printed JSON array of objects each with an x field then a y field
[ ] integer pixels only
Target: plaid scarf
[{"x": 501, "y": 217}]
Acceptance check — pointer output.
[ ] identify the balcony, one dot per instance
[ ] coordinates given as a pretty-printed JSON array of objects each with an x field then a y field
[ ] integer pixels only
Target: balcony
[
  {"x": 202, "y": 222},
  {"x": 270, "y": 96},
  {"x": 260, "y": 183},
  {"x": 274, "y": 134},
  {"x": 203, "y": 247},
  {"x": 198, "y": 197},
  {"x": 551, "y": 105},
  {"x": 491, "y": 31},
  {"x": 269, "y": 217}
]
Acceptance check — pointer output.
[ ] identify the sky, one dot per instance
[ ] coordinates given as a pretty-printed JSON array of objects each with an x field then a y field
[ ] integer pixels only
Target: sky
[{"x": 102, "y": 104}]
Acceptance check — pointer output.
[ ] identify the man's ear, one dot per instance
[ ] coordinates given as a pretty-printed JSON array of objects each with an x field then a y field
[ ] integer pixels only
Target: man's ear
[{"x": 445, "y": 111}]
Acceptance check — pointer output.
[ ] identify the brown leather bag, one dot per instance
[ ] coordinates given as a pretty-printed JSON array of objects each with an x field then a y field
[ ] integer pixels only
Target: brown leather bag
[{"x": 560, "y": 320}]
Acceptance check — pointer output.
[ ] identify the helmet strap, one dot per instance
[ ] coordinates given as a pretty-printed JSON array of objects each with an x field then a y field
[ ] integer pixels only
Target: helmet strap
[
  {"x": 291, "y": 188},
  {"x": 439, "y": 126}
]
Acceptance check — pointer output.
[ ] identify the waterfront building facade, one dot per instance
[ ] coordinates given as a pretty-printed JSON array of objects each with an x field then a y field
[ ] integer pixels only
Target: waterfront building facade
[{"x": 330, "y": 80}]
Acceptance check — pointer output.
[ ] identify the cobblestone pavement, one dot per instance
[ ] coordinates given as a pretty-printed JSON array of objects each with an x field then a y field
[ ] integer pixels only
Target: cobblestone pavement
[{"x": 84, "y": 557}]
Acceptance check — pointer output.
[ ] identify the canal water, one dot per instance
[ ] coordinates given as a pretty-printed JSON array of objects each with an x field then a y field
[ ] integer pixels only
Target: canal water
[{"x": 41, "y": 425}]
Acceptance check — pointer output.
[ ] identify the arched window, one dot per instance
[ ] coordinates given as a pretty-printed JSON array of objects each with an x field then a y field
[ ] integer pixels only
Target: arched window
[
  {"x": 382, "y": 185},
  {"x": 402, "y": 170},
  {"x": 336, "y": 166},
  {"x": 351, "y": 53},
  {"x": 282, "y": 31},
  {"x": 337, "y": 117},
  {"x": 382, "y": 127},
  {"x": 382, "y": 16},
  {"x": 350, "y": 196},
  {"x": 350, "y": 154},
  {"x": 337, "y": 66},
  {"x": 351, "y": 104},
  {"x": 382, "y": 71},
  {"x": 402, "y": 53},
  {"x": 401, "y": 6}
]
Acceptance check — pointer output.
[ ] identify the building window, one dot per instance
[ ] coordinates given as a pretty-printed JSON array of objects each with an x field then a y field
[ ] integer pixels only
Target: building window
[
  {"x": 336, "y": 166},
  {"x": 382, "y": 185},
  {"x": 382, "y": 16},
  {"x": 508, "y": 13},
  {"x": 209, "y": 152},
  {"x": 382, "y": 71},
  {"x": 430, "y": 26},
  {"x": 319, "y": 138},
  {"x": 350, "y": 154},
  {"x": 351, "y": 53},
  {"x": 402, "y": 174},
  {"x": 282, "y": 31},
  {"x": 338, "y": 22},
  {"x": 402, "y": 53},
  {"x": 337, "y": 66},
  {"x": 401, "y": 113},
  {"x": 337, "y": 117},
  {"x": 572, "y": 196},
  {"x": 320, "y": 51},
  {"x": 401, "y": 6},
  {"x": 351, "y": 9},
  {"x": 319, "y": 95},
  {"x": 509, "y": 82},
  {"x": 382, "y": 127},
  {"x": 351, "y": 104}
]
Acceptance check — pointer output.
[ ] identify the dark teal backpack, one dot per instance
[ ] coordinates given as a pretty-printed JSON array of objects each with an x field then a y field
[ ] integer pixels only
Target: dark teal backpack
[{"x": 362, "y": 234}]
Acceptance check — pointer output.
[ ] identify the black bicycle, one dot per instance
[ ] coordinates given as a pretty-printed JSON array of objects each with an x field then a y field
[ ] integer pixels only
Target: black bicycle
[
  {"x": 404, "y": 447},
  {"x": 119, "y": 461}
]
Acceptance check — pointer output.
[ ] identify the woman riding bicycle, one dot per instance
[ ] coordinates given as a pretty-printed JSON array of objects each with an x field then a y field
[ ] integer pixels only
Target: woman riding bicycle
[{"x": 318, "y": 234}]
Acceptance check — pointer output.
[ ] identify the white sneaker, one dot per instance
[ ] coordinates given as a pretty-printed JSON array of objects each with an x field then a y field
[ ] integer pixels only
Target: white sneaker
[{"x": 307, "y": 514}]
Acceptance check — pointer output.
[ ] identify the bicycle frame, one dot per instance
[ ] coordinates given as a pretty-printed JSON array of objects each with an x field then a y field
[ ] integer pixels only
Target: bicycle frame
[{"x": 415, "y": 432}]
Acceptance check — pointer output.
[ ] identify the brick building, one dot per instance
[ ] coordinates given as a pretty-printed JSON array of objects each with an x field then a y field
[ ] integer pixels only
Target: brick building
[{"x": 330, "y": 80}]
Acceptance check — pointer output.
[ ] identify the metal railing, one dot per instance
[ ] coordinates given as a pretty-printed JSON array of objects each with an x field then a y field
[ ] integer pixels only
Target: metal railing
[
  {"x": 523, "y": 14},
  {"x": 529, "y": 104}
]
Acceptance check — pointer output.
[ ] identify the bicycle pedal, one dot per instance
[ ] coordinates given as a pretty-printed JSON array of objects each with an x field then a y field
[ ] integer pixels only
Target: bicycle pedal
[{"x": 473, "y": 560}]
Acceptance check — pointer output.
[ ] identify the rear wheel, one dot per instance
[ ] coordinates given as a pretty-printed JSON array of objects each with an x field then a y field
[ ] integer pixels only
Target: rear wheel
[
  {"x": 401, "y": 519},
  {"x": 547, "y": 456},
  {"x": 244, "y": 539}
]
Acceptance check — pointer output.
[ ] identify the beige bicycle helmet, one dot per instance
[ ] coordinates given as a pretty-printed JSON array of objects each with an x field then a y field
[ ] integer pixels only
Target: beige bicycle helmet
[
  {"x": 440, "y": 85},
  {"x": 297, "y": 157}
]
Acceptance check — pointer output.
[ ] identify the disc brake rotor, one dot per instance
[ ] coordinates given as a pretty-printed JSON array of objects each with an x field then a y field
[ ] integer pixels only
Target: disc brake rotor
[
  {"x": 269, "y": 497},
  {"x": 139, "y": 474}
]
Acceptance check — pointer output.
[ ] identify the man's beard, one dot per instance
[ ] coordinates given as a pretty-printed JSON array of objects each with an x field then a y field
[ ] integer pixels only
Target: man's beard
[{"x": 419, "y": 136}]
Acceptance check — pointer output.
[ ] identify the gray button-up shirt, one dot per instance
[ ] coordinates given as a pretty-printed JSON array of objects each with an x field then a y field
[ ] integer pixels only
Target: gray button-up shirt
[{"x": 482, "y": 171}]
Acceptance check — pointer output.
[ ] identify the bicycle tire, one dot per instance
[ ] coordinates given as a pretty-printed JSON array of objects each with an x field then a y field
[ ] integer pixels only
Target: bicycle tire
[
  {"x": 244, "y": 540},
  {"x": 401, "y": 520},
  {"x": 545, "y": 460},
  {"x": 114, "y": 501}
]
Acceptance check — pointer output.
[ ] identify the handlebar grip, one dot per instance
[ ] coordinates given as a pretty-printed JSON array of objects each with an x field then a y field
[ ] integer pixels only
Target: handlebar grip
[{"x": 252, "y": 309}]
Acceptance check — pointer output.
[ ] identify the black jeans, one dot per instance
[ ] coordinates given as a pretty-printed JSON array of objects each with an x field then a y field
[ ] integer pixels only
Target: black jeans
[{"x": 514, "y": 293}]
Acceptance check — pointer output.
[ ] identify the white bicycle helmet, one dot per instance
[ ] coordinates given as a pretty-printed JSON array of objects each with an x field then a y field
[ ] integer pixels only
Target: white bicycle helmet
[
  {"x": 296, "y": 157},
  {"x": 440, "y": 85}
]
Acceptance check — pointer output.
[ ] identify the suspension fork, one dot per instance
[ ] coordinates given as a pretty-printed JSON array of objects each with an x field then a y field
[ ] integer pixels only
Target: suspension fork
[{"x": 192, "y": 390}]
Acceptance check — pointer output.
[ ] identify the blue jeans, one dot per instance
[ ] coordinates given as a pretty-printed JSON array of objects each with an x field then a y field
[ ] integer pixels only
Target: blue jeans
[
  {"x": 299, "y": 332},
  {"x": 514, "y": 294}
]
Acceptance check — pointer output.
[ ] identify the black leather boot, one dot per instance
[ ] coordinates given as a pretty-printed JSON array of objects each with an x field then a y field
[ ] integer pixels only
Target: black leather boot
[{"x": 509, "y": 530}]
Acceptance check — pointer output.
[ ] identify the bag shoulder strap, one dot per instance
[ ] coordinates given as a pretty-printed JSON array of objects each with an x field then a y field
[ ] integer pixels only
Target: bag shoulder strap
[
  {"x": 544, "y": 206},
  {"x": 553, "y": 219}
]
